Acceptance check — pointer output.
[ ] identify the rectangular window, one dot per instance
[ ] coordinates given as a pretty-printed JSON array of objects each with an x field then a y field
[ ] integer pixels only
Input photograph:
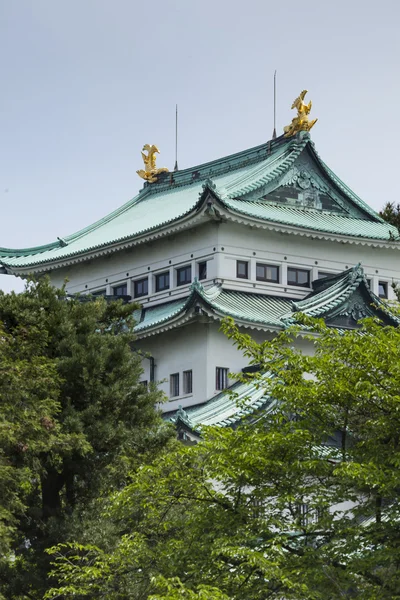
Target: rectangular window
[
  {"x": 99, "y": 293},
  {"x": 267, "y": 273},
  {"x": 303, "y": 514},
  {"x": 162, "y": 281},
  {"x": 141, "y": 287},
  {"x": 184, "y": 275},
  {"x": 174, "y": 385},
  {"x": 202, "y": 270},
  {"x": 187, "y": 382},
  {"x": 383, "y": 289},
  {"x": 299, "y": 277},
  {"x": 120, "y": 290},
  {"x": 221, "y": 378},
  {"x": 242, "y": 269}
]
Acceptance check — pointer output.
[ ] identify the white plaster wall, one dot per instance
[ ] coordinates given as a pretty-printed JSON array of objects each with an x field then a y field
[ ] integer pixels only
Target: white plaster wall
[
  {"x": 176, "y": 351},
  {"x": 255, "y": 245},
  {"x": 202, "y": 348},
  {"x": 187, "y": 247},
  {"x": 222, "y": 245}
]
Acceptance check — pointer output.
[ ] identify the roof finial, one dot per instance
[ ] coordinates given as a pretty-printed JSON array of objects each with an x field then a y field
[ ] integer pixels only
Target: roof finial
[
  {"x": 176, "y": 139},
  {"x": 301, "y": 122},
  {"x": 150, "y": 173},
  {"x": 274, "y": 132}
]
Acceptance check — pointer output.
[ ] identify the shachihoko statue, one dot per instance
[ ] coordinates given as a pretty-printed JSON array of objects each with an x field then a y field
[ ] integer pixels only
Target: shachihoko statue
[
  {"x": 301, "y": 122},
  {"x": 150, "y": 171}
]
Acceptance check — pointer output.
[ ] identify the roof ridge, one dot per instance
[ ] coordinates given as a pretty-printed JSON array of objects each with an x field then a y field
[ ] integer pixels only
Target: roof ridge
[
  {"x": 292, "y": 152},
  {"x": 224, "y": 164}
]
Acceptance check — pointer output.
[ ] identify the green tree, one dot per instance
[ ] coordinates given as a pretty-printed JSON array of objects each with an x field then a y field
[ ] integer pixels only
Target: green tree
[
  {"x": 74, "y": 419},
  {"x": 391, "y": 213},
  {"x": 301, "y": 503}
]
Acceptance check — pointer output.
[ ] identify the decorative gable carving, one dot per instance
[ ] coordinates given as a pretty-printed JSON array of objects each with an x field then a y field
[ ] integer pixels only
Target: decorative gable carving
[{"x": 304, "y": 185}]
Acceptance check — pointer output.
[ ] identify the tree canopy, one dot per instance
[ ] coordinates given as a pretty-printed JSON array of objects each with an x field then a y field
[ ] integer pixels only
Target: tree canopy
[
  {"x": 74, "y": 419},
  {"x": 302, "y": 502},
  {"x": 391, "y": 213}
]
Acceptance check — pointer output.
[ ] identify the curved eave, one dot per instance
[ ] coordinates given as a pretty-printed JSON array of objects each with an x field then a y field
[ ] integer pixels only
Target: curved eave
[
  {"x": 188, "y": 314},
  {"x": 246, "y": 218},
  {"x": 188, "y": 220},
  {"x": 192, "y": 218}
]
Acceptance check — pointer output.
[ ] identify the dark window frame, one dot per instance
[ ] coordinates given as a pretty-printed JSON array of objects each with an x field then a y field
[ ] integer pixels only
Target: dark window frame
[
  {"x": 158, "y": 276},
  {"x": 187, "y": 381},
  {"x": 384, "y": 285},
  {"x": 187, "y": 271},
  {"x": 240, "y": 263},
  {"x": 136, "y": 282},
  {"x": 221, "y": 378},
  {"x": 202, "y": 274},
  {"x": 297, "y": 271},
  {"x": 102, "y": 292},
  {"x": 174, "y": 385},
  {"x": 121, "y": 286},
  {"x": 266, "y": 266}
]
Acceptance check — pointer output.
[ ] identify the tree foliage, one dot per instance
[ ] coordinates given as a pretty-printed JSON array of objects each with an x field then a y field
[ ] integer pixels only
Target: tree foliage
[
  {"x": 391, "y": 213},
  {"x": 74, "y": 418},
  {"x": 301, "y": 503}
]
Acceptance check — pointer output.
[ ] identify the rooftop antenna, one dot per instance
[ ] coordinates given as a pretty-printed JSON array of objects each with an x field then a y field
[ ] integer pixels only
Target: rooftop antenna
[
  {"x": 274, "y": 132},
  {"x": 176, "y": 139}
]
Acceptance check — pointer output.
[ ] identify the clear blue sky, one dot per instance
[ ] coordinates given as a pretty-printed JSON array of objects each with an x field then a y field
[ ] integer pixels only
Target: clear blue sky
[{"x": 85, "y": 83}]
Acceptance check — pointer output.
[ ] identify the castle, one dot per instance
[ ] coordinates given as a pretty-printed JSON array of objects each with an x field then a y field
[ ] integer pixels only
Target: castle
[{"x": 259, "y": 235}]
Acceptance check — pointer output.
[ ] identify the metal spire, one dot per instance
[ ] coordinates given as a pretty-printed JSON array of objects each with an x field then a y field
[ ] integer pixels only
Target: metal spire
[
  {"x": 176, "y": 139},
  {"x": 274, "y": 132}
]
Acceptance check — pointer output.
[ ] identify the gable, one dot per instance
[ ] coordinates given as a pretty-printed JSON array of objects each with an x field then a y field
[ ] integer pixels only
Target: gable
[{"x": 307, "y": 186}]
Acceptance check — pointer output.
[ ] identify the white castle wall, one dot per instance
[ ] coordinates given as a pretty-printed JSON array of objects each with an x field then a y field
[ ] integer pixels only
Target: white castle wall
[
  {"x": 201, "y": 347},
  {"x": 221, "y": 245}
]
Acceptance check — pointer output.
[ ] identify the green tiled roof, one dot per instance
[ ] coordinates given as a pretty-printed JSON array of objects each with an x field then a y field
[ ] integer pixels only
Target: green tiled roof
[
  {"x": 314, "y": 220},
  {"x": 246, "y": 307},
  {"x": 338, "y": 295},
  {"x": 179, "y": 194},
  {"x": 227, "y": 408},
  {"x": 148, "y": 317}
]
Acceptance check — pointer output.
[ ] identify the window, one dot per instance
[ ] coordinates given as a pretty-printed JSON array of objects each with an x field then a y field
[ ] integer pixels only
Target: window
[
  {"x": 184, "y": 275},
  {"x": 303, "y": 515},
  {"x": 257, "y": 507},
  {"x": 383, "y": 289},
  {"x": 144, "y": 383},
  {"x": 221, "y": 378},
  {"x": 202, "y": 271},
  {"x": 267, "y": 273},
  {"x": 187, "y": 382},
  {"x": 174, "y": 385},
  {"x": 141, "y": 287},
  {"x": 120, "y": 290},
  {"x": 99, "y": 293},
  {"x": 242, "y": 269},
  {"x": 299, "y": 277},
  {"x": 323, "y": 274},
  {"x": 162, "y": 281}
]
